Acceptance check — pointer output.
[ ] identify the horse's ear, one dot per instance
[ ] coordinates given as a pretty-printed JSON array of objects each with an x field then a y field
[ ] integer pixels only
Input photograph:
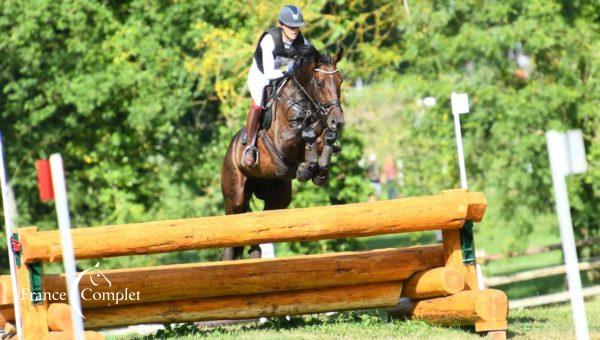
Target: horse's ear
[{"x": 339, "y": 54}]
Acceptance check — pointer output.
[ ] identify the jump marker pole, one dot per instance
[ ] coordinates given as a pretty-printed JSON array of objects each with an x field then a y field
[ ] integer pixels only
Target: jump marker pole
[
  {"x": 64, "y": 224},
  {"x": 460, "y": 105},
  {"x": 9, "y": 227},
  {"x": 567, "y": 156}
]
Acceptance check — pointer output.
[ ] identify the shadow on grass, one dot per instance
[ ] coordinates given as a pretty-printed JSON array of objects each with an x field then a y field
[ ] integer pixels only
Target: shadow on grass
[
  {"x": 523, "y": 321},
  {"x": 276, "y": 324}
]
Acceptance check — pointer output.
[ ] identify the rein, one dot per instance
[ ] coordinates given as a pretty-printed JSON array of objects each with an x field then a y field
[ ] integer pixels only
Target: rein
[{"x": 321, "y": 107}]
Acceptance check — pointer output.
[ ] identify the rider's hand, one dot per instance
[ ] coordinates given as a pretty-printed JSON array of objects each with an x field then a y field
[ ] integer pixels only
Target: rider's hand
[{"x": 289, "y": 69}]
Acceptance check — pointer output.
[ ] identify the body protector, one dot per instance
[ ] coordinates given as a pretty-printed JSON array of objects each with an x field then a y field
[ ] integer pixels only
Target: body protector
[{"x": 281, "y": 55}]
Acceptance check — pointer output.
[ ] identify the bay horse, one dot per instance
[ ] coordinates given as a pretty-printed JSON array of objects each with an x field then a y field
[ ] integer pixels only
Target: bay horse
[{"x": 306, "y": 116}]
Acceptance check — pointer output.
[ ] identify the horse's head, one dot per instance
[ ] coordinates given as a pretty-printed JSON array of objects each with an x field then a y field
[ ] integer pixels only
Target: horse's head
[
  {"x": 319, "y": 74},
  {"x": 327, "y": 80}
]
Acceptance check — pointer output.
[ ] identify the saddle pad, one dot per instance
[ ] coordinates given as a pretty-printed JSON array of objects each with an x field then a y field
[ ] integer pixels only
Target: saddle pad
[{"x": 266, "y": 118}]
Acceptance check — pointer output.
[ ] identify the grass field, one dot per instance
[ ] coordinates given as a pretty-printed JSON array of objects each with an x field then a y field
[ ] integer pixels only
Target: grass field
[{"x": 552, "y": 322}]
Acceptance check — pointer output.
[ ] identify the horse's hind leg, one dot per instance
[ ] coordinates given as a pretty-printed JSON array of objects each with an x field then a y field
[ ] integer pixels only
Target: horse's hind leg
[
  {"x": 277, "y": 194},
  {"x": 237, "y": 196}
]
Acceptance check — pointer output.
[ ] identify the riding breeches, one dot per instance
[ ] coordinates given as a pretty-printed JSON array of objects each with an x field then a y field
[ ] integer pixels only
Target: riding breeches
[{"x": 256, "y": 84}]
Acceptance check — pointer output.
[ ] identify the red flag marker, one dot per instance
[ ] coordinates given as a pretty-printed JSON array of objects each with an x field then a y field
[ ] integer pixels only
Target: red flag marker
[{"x": 44, "y": 177}]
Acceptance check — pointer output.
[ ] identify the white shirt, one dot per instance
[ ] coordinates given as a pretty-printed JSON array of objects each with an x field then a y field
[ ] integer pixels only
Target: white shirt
[{"x": 258, "y": 80}]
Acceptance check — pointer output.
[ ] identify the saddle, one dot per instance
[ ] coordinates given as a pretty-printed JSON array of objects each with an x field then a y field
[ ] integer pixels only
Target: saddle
[
  {"x": 267, "y": 113},
  {"x": 269, "y": 95}
]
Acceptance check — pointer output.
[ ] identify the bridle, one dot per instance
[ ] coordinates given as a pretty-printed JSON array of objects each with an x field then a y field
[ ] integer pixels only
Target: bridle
[{"x": 322, "y": 108}]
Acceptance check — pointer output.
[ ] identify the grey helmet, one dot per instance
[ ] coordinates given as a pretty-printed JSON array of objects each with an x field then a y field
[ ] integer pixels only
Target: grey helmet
[{"x": 291, "y": 16}]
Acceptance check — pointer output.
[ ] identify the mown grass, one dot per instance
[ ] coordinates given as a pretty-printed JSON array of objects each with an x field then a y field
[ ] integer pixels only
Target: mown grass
[{"x": 553, "y": 322}]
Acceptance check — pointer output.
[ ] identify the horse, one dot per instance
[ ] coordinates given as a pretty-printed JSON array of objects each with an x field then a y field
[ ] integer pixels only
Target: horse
[{"x": 306, "y": 118}]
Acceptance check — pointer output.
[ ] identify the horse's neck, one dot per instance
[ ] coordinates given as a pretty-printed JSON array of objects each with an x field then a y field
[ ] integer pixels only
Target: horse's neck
[{"x": 288, "y": 115}]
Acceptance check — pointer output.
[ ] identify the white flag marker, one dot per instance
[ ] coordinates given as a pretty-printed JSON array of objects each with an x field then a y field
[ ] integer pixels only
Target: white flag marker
[
  {"x": 9, "y": 228},
  {"x": 64, "y": 224},
  {"x": 567, "y": 156},
  {"x": 460, "y": 105}
]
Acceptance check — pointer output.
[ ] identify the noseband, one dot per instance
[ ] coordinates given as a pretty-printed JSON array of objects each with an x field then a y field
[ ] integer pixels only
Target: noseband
[
  {"x": 321, "y": 107},
  {"x": 326, "y": 105}
]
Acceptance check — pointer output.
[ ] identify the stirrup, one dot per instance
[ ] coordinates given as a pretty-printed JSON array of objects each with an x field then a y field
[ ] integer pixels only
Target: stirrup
[{"x": 250, "y": 148}]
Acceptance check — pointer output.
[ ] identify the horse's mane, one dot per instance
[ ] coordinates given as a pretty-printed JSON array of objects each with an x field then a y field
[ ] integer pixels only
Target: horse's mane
[{"x": 309, "y": 53}]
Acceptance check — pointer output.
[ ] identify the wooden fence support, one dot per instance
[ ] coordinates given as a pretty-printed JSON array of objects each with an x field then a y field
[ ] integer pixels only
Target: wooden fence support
[
  {"x": 34, "y": 312},
  {"x": 434, "y": 282},
  {"x": 486, "y": 309}
]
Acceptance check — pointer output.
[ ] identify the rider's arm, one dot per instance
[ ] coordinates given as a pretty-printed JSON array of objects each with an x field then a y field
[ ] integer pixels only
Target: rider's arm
[{"x": 268, "y": 45}]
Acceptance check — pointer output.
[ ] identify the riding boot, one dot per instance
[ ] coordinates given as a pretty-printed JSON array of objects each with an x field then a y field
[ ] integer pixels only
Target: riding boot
[{"x": 250, "y": 155}]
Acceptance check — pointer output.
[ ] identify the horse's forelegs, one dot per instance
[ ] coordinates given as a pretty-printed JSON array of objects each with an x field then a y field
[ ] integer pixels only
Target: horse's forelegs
[
  {"x": 322, "y": 175},
  {"x": 307, "y": 169},
  {"x": 232, "y": 253}
]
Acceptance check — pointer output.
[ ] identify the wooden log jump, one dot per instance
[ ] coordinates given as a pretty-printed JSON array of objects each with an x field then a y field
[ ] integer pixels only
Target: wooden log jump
[
  {"x": 247, "y": 276},
  {"x": 375, "y": 295},
  {"x": 319, "y": 223},
  {"x": 442, "y": 288}
]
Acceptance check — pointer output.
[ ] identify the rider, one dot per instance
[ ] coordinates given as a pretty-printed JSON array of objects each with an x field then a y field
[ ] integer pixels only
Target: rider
[{"x": 273, "y": 59}]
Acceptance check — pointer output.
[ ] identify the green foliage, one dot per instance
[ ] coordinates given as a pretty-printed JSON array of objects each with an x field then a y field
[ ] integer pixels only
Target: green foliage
[
  {"x": 463, "y": 47},
  {"x": 141, "y": 100}
]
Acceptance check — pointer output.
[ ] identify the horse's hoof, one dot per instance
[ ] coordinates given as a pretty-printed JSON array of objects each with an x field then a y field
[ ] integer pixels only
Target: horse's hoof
[
  {"x": 320, "y": 180},
  {"x": 305, "y": 172}
]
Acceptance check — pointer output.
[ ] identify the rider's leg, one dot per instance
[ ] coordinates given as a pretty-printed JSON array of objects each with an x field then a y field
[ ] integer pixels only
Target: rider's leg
[{"x": 250, "y": 155}]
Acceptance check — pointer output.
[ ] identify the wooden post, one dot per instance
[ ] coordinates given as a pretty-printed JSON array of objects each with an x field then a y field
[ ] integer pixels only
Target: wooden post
[
  {"x": 452, "y": 244},
  {"x": 453, "y": 257},
  {"x": 35, "y": 324},
  {"x": 6, "y": 295}
]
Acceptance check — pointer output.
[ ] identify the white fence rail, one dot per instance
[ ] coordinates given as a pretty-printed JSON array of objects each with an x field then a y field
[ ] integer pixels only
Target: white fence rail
[
  {"x": 536, "y": 274},
  {"x": 550, "y": 298}
]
